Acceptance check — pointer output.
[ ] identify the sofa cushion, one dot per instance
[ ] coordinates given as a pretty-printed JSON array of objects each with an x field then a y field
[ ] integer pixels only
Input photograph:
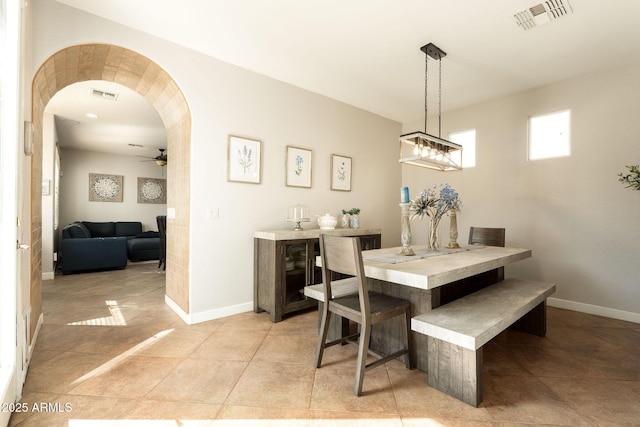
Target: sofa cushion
[
  {"x": 93, "y": 254},
  {"x": 143, "y": 249},
  {"x": 147, "y": 234},
  {"x": 75, "y": 230},
  {"x": 128, "y": 228},
  {"x": 101, "y": 229}
]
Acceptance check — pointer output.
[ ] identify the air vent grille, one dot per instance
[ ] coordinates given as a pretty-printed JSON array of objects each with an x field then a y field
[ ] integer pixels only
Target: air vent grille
[
  {"x": 104, "y": 95},
  {"x": 542, "y": 13}
]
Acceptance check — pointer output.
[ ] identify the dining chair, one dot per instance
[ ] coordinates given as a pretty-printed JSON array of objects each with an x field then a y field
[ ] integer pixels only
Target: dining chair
[
  {"x": 161, "y": 220},
  {"x": 486, "y": 236},
  {"x": 343, "y": 255},
  {"x": 477, "y": 236}
]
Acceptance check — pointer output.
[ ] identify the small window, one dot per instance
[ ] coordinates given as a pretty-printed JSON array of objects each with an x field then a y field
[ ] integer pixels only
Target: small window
[
  {"x": 467, "y": 139},
  {"x": 549, "y": 135}
]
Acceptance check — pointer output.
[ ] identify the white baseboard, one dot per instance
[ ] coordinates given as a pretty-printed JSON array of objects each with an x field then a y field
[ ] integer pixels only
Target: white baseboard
[
  {"x": 222, "y": 312},
  {"x": 594, "y": 309},
  {"x": 612, "y": 313},
  {"x": 186, "y": 318},
  {"x": 48, "y": 276},
  {"x": 191, "y": 319},
  {"x": 32, "y": 347}
]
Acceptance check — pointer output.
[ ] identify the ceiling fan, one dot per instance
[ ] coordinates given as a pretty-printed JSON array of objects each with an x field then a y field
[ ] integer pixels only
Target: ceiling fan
[{"x": 160, "y": 159}]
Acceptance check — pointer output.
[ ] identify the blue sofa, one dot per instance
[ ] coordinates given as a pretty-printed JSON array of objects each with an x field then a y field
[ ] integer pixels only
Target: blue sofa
[{"x": 90, "y": 246}]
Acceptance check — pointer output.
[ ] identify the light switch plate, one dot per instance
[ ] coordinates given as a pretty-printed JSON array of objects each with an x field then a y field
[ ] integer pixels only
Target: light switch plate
[{"x": 213, "y": 213}]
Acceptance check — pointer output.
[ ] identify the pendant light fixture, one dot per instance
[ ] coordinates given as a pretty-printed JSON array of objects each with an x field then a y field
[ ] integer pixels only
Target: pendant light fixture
[{"x": 420, "y": 148}]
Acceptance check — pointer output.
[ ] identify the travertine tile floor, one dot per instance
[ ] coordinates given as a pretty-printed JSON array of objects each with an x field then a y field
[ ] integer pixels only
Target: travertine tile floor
[{"x": 110, "y": 349}]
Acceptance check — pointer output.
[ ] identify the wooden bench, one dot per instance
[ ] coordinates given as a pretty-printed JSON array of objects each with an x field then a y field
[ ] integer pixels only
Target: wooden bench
[{"x": 458, "y": 330}]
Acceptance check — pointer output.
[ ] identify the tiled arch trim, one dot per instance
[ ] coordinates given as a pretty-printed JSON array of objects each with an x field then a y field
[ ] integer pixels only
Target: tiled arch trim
[{"x": 128, "y": 68}]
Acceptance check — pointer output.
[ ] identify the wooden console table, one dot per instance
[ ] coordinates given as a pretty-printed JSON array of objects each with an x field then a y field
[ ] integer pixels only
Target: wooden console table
[{"x": 285, "y": 263}]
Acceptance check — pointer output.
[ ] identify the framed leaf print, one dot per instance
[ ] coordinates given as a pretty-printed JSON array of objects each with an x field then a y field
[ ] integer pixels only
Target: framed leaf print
[
  {"x": 340, "y": 173},
  {"x": 298, "y": 167},
  {"x": 244, "y": 160}
]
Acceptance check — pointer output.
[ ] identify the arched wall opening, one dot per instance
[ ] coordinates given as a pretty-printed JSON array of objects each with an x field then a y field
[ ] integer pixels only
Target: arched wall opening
[{"x": 137, "y": 72}]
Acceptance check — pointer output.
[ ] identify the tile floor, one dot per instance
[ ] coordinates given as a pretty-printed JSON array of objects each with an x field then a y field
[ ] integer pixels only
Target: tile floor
[{"x": 111, "y": 350}]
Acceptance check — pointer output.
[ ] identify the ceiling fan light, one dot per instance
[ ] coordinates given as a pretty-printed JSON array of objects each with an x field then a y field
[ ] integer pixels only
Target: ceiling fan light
[{"x": 161, "y": 162}]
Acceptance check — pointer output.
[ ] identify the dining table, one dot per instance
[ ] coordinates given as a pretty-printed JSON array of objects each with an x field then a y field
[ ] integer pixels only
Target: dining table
[{"x": 428, "y": 280}]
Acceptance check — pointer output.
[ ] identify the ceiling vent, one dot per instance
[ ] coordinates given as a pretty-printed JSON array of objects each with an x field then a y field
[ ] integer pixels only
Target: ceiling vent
[
  {"x": 543, "y": 13},
  {"x": 104, "y": 95}
]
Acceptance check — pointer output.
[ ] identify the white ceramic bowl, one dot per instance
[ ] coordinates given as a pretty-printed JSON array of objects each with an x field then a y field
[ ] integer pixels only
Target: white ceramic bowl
[{"x": 327, "y": 222}]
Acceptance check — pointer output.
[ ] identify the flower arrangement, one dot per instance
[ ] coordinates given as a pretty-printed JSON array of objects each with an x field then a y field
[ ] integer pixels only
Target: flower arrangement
[
  {"x": 632, "y": 179},
  {"x": 434, "y": 203}
]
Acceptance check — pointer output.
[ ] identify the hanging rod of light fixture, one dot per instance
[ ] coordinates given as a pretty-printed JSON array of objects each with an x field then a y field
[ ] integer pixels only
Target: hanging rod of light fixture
[{"x": 429, "y": 151}]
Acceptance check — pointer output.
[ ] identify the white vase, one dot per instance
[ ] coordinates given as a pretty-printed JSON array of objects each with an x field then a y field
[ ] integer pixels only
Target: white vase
[{"x": 345, "y": 221}]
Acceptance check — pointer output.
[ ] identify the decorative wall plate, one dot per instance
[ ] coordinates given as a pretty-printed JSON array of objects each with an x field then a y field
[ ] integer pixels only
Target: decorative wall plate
[
  {"x": 152, "y": 190},
  {"x": 105, "y": 188}
]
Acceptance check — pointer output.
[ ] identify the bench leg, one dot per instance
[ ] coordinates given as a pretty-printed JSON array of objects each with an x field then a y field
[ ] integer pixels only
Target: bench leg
[
  {"x": 534, "y": 322},
  {"x": 456, "y": 371}
]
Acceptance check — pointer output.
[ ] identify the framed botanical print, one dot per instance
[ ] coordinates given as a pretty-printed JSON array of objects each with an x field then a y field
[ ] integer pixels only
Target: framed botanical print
[
  {"x": 105, "y": 188},
  {"x": 244, "y": 160},
  {"x": 298, "y": 167},
  {"x": 340, "y": 173},
  {"x": 152, "y": 190}
]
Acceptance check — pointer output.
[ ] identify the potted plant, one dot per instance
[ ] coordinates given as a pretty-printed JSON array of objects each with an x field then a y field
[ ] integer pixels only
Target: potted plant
[
  {"x": 631, "y": 179},
  {"x": 350, "y": 218}
]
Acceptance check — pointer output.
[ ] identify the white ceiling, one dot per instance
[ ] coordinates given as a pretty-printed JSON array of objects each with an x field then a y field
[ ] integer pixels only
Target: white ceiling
[
  {"x": 367, "y": 52},
  {"x": 130, "y": 119}
]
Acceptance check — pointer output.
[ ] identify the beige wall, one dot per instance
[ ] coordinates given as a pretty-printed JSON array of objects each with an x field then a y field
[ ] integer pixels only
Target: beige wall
[
  {"x": 225, "y": 100},
  {"x": 581, "y": 223},
  {"x": 74, "y": 197},
  {"x": 242, "y": 103}
]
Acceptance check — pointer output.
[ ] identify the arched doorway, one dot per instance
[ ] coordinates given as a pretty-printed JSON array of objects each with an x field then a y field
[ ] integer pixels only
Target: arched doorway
[{"x": 128, "y": 68}]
